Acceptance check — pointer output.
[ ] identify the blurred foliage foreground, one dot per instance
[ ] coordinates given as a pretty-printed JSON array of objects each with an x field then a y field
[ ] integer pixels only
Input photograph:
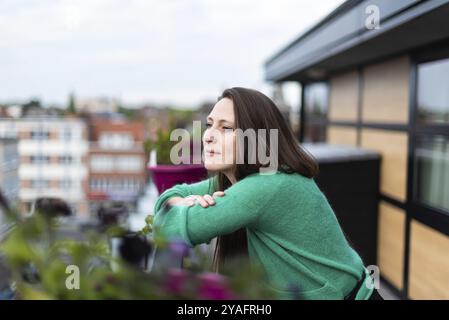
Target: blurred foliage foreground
[{"x": 45, "y": 265}]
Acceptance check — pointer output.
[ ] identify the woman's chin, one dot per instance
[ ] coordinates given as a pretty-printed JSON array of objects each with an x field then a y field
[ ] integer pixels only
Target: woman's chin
[{"x": 213, "y": 167}]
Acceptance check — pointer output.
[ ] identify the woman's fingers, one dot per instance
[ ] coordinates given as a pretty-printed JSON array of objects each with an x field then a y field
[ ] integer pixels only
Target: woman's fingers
[
  {"x": 209, "y": 199},
  {"x": 218, "y": 194},
  {"x": 204, "y": 201},
  {"x": 189, "y": 201}
]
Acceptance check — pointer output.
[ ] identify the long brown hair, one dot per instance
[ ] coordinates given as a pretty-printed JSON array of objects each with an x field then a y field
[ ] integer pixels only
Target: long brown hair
[{"x": 254, "y": 110}]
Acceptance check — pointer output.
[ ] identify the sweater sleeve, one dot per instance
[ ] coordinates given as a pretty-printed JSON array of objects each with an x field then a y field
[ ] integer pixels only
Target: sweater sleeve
[
  {"x": 184, "y": 190},
  {"x": 240, "y": 207}
]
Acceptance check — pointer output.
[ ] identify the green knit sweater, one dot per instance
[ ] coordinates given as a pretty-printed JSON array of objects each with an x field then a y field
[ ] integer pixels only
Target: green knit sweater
[{"x": 292, "y": 232}]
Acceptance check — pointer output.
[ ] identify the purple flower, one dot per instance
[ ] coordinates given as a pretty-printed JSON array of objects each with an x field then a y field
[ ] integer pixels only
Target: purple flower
[
  {"x": 214, "y": 287},
  {"x": 176, "y": 279}
]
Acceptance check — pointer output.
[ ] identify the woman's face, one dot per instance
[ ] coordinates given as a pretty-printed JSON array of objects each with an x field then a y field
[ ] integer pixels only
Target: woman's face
[{"x": 219, "y": 137}]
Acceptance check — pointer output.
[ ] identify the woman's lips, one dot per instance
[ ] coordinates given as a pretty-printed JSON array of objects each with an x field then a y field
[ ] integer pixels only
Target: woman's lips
[{"x": 211, "y": 153}]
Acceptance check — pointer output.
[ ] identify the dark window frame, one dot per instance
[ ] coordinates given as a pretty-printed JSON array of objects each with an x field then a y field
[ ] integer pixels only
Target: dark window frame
[
  {"x": 436, "y": 218},
  {"x": 305, "y": 117}
]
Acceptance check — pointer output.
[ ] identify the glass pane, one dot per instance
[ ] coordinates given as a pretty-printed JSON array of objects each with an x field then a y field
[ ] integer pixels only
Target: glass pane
[
  {"x": 432, "y": 171},
  {"x": 433, "y": 92},
  {"x": 315, "y": 96},
  {"x": 315, "y": 108}
]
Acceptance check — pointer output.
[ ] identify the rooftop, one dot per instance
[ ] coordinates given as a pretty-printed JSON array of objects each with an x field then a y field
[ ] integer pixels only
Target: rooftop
[{"x": 342, "y": 40}]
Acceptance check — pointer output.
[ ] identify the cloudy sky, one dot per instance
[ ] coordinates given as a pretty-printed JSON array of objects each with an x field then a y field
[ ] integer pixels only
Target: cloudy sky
[{"x": 162, "y": 51}]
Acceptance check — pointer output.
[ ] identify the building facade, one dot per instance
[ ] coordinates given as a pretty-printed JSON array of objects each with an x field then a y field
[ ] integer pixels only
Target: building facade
[
  {"x": 385, "y": 87},
  {"x": 117, "y": 162},
  {"x": 97, "y": 105},
  {"x": 9, "y": 169},
  {"x": 53, "y": 154},
  {"x": 9, "y": 176}
]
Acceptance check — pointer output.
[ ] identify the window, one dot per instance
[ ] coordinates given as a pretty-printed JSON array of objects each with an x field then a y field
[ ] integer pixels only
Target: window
[
  {"x": 431, "y": 170},
  {"x": 65, "y": 183},
  {"x": 40, "y": 135},
  {"x": 131, "y": 185},
  {"x": 103, "y": 184},
  {"x": 65, "y": 159},
  {"x": 315, "y": 112},
  {"x": 39, "y": 183},
  {"x": 433, "y": 92},
  {"x": 102, "y": 163},
  {"x": 66, "y": 134},
  {"x": 96, "y": 184},
  {"x": 119, "y": 140},
  {"x": 39, "y": 159},
  {"x": 129, "y": 163}
]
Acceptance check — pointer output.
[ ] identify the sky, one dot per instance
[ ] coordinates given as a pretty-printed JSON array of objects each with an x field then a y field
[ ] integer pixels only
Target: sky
[{"x": 181, "y": 52}]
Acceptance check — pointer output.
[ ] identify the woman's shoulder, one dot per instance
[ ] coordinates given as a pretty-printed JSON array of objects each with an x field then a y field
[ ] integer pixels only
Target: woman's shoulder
[
  {"x": 275, "y": 181},
  {"x": 275, "y": 188},
  {"x": 268, "y": 177}
]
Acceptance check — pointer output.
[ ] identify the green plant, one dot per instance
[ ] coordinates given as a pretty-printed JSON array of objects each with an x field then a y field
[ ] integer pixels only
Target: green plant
[
  {"x": 162, "y": 145},
  {"x": 71, "y": 107},
  {"x": 38, "y": 258}
]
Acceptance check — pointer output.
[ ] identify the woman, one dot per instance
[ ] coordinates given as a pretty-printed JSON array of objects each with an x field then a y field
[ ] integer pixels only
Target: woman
[{"x": 279, "y": 219}]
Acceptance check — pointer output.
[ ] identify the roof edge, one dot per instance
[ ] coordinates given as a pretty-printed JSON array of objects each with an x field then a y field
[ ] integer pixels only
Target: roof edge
[{"x": 341, "y": 9}]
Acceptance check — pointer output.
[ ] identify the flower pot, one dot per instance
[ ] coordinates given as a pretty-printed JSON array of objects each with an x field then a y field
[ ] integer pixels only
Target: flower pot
[{"x": 167, "y": 176}]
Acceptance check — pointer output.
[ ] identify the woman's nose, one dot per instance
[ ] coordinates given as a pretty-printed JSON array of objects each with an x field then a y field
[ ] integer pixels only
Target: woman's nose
[{"x": 208, "y": 137}]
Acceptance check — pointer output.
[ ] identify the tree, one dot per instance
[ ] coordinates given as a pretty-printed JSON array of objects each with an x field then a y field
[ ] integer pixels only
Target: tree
[{"x": 71, "y": 108}]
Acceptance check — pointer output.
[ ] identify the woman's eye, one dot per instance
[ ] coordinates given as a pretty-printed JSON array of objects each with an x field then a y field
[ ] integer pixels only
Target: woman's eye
[
  {"x": 227, "y": 128},
  {"x": 208, "y": 125}
]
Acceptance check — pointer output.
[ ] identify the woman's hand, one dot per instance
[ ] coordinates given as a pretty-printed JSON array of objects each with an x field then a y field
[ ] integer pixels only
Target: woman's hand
[{"x": 205, "y": 200}]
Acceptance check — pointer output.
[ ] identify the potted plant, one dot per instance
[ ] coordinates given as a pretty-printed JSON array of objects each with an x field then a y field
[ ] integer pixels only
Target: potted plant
[
  {"x": 164, "y": 173},
  {"x": 44, "y": 262}
]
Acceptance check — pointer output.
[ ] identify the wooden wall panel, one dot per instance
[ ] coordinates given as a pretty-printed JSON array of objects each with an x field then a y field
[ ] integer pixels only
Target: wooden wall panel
[
  {"x": 390, "y": 252},
  {"x": 393, "y": 148},
  {"x": 429, "y": 263},
  {"x": 342, "y": 135},
  {"x": 386, "y": 91},
  {"x": 343, "y": 97}
]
